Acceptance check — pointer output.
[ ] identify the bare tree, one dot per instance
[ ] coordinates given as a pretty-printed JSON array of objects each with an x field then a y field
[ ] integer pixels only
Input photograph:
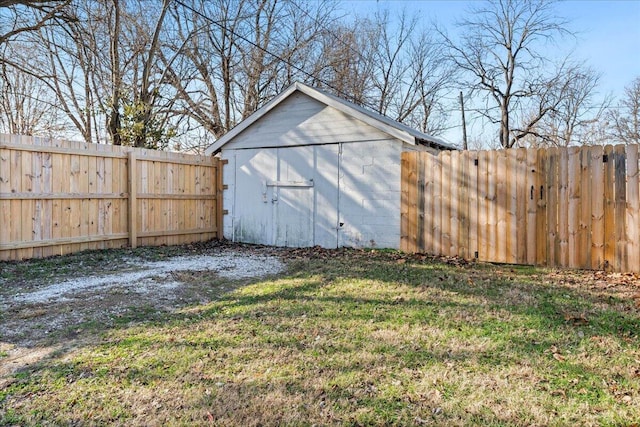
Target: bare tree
[
  {"x": 500, "y": 50},
  {"x": 411, "y": 75},
  {"x": 229, "y": 57},
  {"x": 203, "y": 76},
  {"x": 400, "y": 73},
  {"x": 345, "y": 60},
  {"x": 625, "y": 119},
  {"x": 26, "y": 104},
  {"x": 573, "y": 110},
  {"x": 23, "y": 16},
  {"x": 114, "y": 120}
]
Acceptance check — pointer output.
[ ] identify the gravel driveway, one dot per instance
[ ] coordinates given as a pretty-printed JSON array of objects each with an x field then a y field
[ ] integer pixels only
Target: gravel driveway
[{"x": 48, "y": 304}]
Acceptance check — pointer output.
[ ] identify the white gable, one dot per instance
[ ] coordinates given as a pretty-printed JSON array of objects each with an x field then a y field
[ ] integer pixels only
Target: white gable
[
  {"x": 302, "y": 120},
  {"x": 302, "y": 115}
]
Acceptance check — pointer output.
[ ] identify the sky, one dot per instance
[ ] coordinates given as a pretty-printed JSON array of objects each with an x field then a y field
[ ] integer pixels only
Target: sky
[{"x": 606, "y": 33}]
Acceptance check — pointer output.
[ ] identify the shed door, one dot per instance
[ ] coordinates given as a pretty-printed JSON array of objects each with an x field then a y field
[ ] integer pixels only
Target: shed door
[
  {"x": 293, "y": 198},
  {"x": 287, "y": 196}
]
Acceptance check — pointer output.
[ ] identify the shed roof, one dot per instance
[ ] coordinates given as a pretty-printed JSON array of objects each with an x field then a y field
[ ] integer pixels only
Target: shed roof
[{"x": 378, "y": 121}]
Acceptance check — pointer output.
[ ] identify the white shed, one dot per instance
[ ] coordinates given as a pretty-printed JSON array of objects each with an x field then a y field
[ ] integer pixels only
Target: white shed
[{"x": 310, "y": 169}]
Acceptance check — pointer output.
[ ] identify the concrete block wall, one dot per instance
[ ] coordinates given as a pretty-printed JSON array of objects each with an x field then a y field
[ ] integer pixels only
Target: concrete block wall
[{"x": 370, "y": 194}]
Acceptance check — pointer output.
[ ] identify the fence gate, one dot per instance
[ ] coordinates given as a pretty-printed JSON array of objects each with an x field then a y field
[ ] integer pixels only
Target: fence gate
[{"x": 574, "y": 207}]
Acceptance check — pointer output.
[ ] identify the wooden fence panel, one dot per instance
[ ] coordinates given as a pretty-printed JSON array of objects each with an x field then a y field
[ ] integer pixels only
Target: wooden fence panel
[
  {"x": 472, "y": 212},
  {"x": 521, "y": 207},
  {"x": 541, "y": 209},
  {"x": 437, "y": 204},
  {"x": 532, "y": 206},
  {"x": 483, "y": 196},
  {"x": 585, "y": 210},
  {"x": 421, "y": 217},
  {"x": 500, "y": 214},
  {"x": 633, "y": 209},
  {"x": 428, "y": 200},
  {"x": 550, "y": 193},
  {"x": 609, "y": 209},
  {"x": 562, "y": 248},
  {"x": 597, "y": 207},
  {"x": 576, "y": 207},
  {"x": 620, "y": 204},
  {"x": 454, "y": 201},
  {"x": 463, "y": 217},
  {"x": 58, "y": 197}
]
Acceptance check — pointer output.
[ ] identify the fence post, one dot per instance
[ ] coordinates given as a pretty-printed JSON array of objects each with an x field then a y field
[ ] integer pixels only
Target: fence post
[{"x": 133, "y": 196}]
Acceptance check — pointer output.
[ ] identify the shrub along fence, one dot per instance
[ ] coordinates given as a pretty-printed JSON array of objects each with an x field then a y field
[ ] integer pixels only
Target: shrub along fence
[
  {"x": 574, "y": 207},
  {"x": 58, "y": 197}
]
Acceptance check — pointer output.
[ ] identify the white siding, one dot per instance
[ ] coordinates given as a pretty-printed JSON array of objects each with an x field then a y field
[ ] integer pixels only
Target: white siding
[{"x": 301, "y": 120}]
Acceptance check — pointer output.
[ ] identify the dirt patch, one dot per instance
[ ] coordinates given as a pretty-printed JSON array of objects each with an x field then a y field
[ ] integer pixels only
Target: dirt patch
[{"x": 44, "y": 303}]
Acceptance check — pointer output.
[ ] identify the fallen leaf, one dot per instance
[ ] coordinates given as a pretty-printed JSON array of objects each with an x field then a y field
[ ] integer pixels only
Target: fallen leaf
[
  {"x": 558, "y": 357},
  {"x": 579, "y": 320}
]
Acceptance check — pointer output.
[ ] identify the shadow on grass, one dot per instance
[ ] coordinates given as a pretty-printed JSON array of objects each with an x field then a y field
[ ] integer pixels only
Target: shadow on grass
[{"x": 331, "y": 380}]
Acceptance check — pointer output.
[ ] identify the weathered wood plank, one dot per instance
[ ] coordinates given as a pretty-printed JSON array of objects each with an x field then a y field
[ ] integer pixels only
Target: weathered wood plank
[
  {"x": 532, "y": 205},
  {"x": 454, "y": 203},
  {"x": 633, "y": 209},
  {"x": 27, "y": 206},
  {"x": 562, "y": 252},
  {"x": 584, "y": 235},
  {"x": 482, "y": 223},
  {"x": 463, "y": 205},
  {"x": 551, "y": 194},
  {"x": 474, "y": 193},
  {"x": 420, "y": 220},
  {"x": 609, "y": 209},
  {"x": 158, "y": 204},
  {"x": 142, "y": 177},
  {"x": 541, "y": 208},
  {"x": 597, "y": 208},
  {"x": 511, "y": 207},
  {"x": 500, "y": 212},
  {"x": 133, "y": 202},
  {"x": 445, "y": 224},
  {"x": 404, "y": 201},
  {"x": 412, "y": 224},
  {"x": 574, "y": 194},
  {"x": 5, "y": 205},
  {"x": 427, "y": 237},
  {"x": 83, "y": 183},
  {"x": 437, "y": 204},
  {"x": 521, "y": 206},
  {"x": 620, "y": 179}
]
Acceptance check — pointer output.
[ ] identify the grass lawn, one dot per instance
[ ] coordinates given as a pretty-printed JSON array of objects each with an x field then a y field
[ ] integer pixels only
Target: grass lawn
[{"x": 357, "y": 338}]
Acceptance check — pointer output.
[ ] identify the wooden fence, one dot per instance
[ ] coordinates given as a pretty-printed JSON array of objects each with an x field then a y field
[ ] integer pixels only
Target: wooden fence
[
  {"x": 574, "y": 207},
  {"x": 58, "y": 197}
]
